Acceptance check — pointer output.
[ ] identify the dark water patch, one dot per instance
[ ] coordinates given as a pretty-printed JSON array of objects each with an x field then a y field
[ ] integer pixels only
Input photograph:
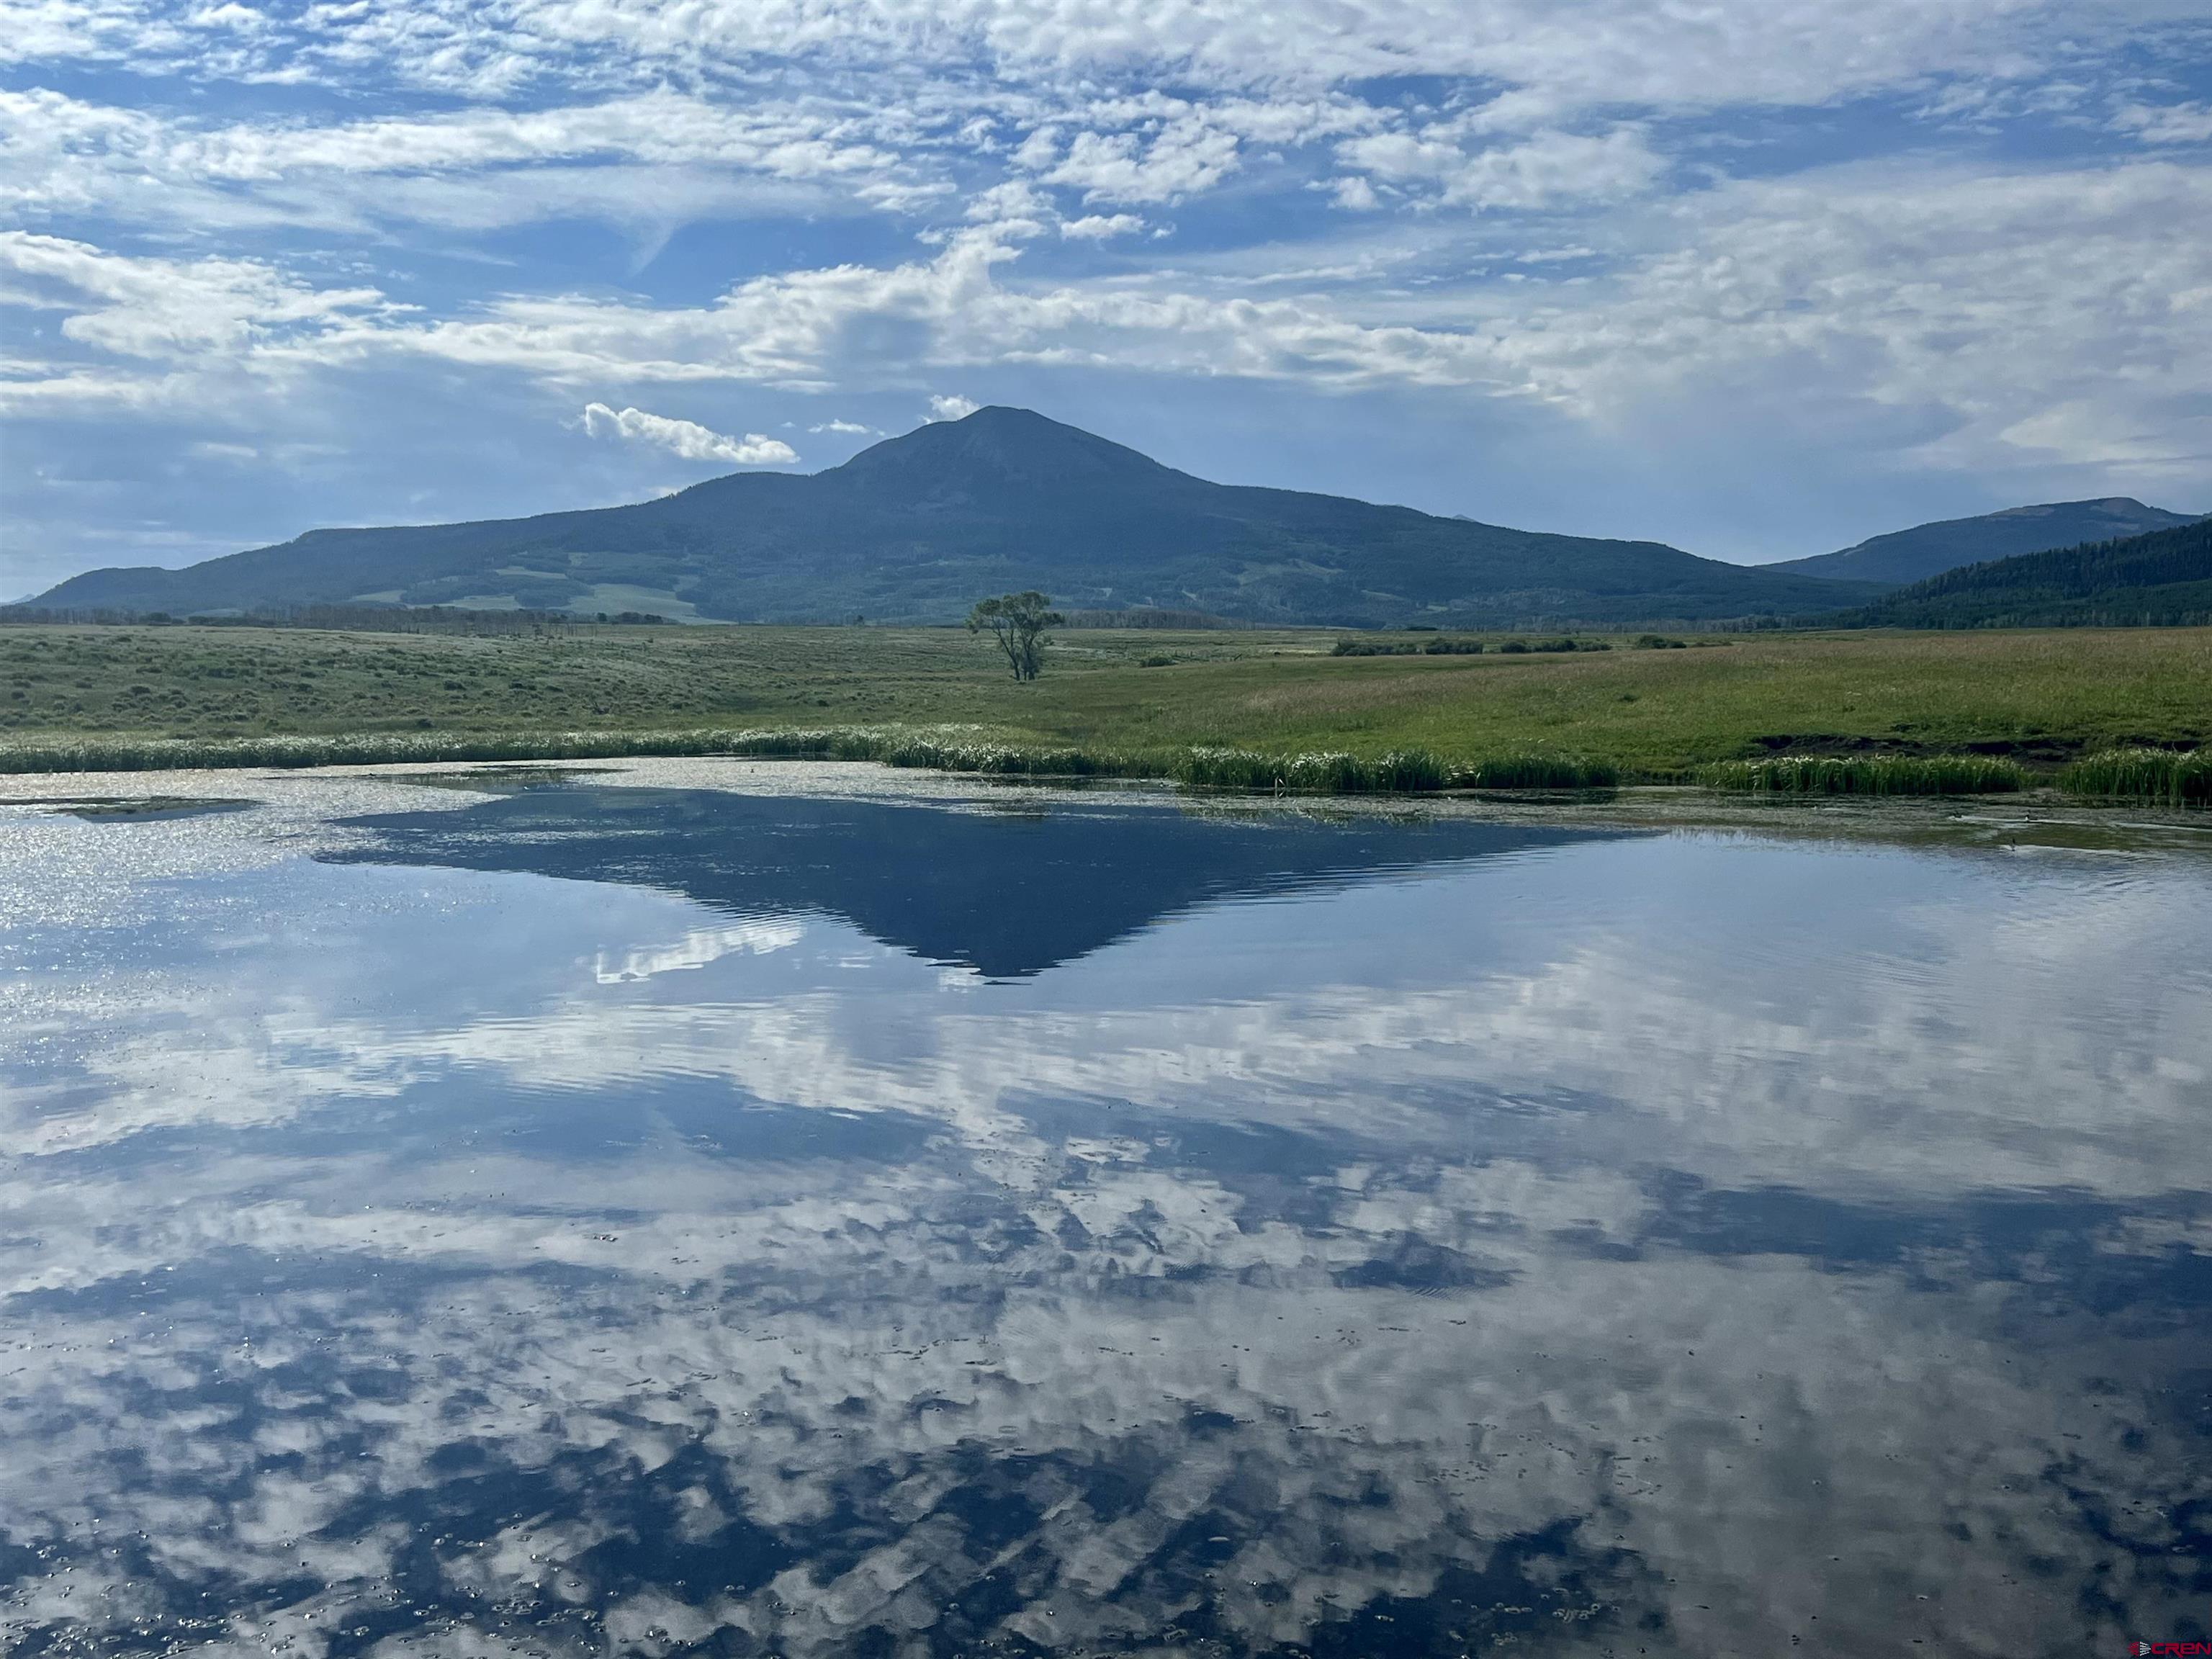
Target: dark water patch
[
  {"x": 2068, "y": 1246},
  {"x": 1412, "y": 1263},
  {"x": 135, "y": 809},
  {"x": 1551, "y": 1591},
  {"x": 499, "y": 779}
]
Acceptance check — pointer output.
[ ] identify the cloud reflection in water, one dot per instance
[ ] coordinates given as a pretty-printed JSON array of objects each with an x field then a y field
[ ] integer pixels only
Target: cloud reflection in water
[{"x": 1674, "y": 1243}]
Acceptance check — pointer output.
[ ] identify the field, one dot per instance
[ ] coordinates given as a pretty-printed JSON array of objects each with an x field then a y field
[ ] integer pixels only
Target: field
[{"x": 2043, "y": 697}]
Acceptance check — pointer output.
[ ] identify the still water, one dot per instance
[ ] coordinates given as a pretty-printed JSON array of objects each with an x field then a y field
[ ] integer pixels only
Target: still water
[{"x": 725, "y": 1211}]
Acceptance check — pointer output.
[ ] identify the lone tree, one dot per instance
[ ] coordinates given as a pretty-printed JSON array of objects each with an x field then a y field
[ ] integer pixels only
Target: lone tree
[{"x": 1018, "y": 621}]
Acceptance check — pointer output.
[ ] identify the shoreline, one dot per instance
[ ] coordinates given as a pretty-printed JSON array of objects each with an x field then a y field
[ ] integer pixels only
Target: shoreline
[
  {"x": 2132, "y": 776},
  {"x": 2036, "y": 820}
]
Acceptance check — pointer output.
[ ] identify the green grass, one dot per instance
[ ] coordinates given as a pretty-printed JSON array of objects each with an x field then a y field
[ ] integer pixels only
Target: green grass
[
  {"x": 1866, "y": 774},
  {"x": 148, "y": 696},
  {"x": 2156, "y": 776}
]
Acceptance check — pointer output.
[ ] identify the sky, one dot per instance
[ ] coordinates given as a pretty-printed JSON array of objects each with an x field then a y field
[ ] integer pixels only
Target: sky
[{"x": 1756, "y": 278}]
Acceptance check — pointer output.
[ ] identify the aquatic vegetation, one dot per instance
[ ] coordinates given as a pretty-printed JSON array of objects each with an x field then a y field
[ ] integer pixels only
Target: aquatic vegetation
[
  {"x": 1866, "y": 774},
  {"x": 2162, "y": 776},
  {"x": 1000, "y": 759},
  {"x": 1328, "y": 772},
  {"x": 1537, "y": 772}
]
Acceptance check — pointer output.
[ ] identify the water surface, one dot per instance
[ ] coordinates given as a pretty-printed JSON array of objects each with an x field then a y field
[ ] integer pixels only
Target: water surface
[{"x": 599, "y": 1217}]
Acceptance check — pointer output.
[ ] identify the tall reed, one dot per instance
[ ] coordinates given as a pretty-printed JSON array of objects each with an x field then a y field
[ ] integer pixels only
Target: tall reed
[
  {"x": 1866, "y": 774},
  {"x": 2156, "y": 776}
]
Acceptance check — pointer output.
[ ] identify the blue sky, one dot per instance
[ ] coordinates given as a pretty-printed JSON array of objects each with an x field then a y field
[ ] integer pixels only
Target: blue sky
[{"x": 1756, "y": 278}]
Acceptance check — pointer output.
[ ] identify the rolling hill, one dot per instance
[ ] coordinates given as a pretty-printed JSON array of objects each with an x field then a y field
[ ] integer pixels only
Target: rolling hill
[
  {"x": 1929, "y": 549},
  {"x": 918, "y": 527},
  {"x": 2161, "y": 579}
]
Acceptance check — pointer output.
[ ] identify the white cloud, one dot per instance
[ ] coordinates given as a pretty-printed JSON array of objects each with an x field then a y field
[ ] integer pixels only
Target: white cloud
[
  {"x": 2169, "y": 123},
  {"x": 1545, "y": 169},
  {"x": 1594, "y": 53},
  {"x": 657, "y": 155},
  {"x": 1983, "y": 300},
  {"x": 1101, "y": 228},
  {"x": 166, "y": 308},
  {"x": 1991, "y": 300},
  {"x": 953, "y": 408},
  {"x": 184, "y": 324},
  {"x": 849, "y": 427},
  {"x": 1183, "y": 158},
  {"x": 687, "y": 438},
  {"x": 1979, "y": 301},
  {"x": 1355, "y": 194}
]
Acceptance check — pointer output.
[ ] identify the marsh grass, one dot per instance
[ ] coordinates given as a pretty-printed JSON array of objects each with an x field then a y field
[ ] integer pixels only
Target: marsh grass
[
  {"x": 2160, "y": 776},
  {"x": 1399, "y": 772},
  {"x": 1866, "y": 774}
]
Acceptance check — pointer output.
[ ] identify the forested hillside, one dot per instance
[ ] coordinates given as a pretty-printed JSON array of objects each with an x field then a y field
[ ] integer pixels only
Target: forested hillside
[{"x": 2163, "y": 579}]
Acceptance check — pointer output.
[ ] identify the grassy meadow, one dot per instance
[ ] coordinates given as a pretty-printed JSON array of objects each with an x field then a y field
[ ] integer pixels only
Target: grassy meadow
[{"x": 2042, "y": 698}]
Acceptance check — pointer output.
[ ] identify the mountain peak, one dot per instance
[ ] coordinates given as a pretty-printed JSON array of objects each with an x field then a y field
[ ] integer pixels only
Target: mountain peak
[{"x": 996, "y": 448}]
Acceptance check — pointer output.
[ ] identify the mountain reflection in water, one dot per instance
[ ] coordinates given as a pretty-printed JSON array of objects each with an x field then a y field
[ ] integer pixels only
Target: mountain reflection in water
[
  {"x": 611, "y": 1221},
  {"x": 1007, "y": 893}
]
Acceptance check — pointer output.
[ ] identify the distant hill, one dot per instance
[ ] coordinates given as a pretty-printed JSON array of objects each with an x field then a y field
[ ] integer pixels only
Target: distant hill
[
  {"x": 2163, "y": 579},
  {"x": 918, "y": 527},
  {"x": 1929, "y": 549}
]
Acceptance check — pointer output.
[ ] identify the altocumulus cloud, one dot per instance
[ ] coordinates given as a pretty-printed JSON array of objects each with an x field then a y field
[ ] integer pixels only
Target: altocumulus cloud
[{"x": 689, "y": 439}]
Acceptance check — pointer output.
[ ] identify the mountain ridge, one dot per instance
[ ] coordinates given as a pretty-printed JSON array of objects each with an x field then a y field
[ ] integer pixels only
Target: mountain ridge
[
  {"x": 1924, "y": 551},
  {"x": 917, "y": 527},
  {"x": 2162, "y": 578}
]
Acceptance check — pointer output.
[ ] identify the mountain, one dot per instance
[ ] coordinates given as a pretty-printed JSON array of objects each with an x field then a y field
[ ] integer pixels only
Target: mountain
[
  {"x": 2164, "y": 578},
  {"x": 919, "y": 527},
  {"x": 1929, "y": 549}
]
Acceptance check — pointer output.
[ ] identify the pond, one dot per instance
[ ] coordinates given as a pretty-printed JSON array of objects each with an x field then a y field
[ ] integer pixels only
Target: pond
[{"x": 781, "y": 1210}]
